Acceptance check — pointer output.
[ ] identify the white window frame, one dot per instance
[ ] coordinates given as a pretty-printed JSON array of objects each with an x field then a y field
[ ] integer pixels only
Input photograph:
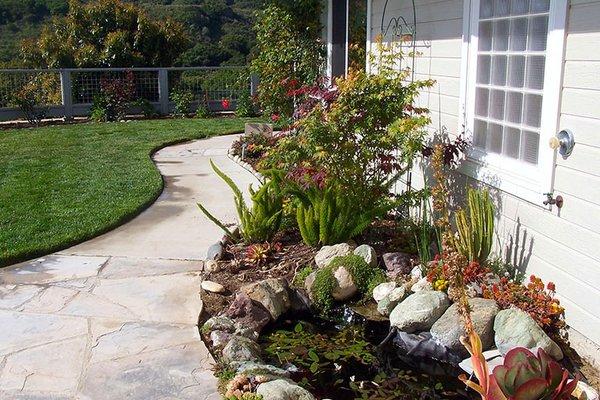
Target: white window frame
[{"x": 526, "y": 181}]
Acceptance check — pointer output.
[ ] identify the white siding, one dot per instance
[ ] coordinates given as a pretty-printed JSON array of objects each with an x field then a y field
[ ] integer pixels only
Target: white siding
[{"x": 561, "y": 246}]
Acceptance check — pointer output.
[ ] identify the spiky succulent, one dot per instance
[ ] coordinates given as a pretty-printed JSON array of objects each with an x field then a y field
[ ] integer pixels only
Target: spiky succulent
[{"x": 525, "y": 376}]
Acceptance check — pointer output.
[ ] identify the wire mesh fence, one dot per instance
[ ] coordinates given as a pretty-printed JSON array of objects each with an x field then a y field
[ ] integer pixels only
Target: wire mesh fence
[{"x": 71, "y": 92}]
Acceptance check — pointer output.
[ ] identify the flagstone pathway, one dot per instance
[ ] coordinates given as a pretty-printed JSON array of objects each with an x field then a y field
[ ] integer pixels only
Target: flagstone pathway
[{"x": 116, "y": 317}]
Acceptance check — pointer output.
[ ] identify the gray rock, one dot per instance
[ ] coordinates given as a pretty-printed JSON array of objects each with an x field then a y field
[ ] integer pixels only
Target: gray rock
[
  {"x": 220, "y": 339},
  {"x": 450, "y": 327},
  {"x": 281, "y": 389},
  {"x": 212, "y": 266},
  {"x": 515, "y": 328},
  {"x": 368, "y": 254},
  {"x": 383, "y": 290},
  {"x": 241, "y": 349},
  {"x": 215, "y": 252},
  {"x": 219, "y": 323},
  {"x": 246, "y": 332},
  {"x": 397, "y": 264},
  {"x": 328, "y": 253},
  {"x": 419, "y": 311},
  {"x": 345, "y": 287},
  {"x": 272, "y": 294},
  {"x": 212, "y": 287},
  {"x": 416, "y": 273},
  {"x": 389, "y": 302},
  {"x": 299, "y": 301},
  {"x": 247, "y": 313},
  {"x": 422, "y": 285},
  {"x": 255, "y": 368}
]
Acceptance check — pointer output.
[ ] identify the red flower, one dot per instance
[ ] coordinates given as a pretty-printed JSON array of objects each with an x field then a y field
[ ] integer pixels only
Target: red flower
[
  {"x": 275, "y": 117},
  {"x": 225, "y": 103},
  {"x": 551, "y": 286}
]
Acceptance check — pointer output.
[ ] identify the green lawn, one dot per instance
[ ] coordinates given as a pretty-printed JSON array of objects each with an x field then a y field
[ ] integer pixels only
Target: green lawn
[{"x": 62, "y": 185}]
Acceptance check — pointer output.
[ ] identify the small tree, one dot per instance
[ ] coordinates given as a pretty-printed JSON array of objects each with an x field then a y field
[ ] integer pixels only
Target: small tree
[
  {"x": 105, "y": 33},
  {"x": 290, "y": 53}
]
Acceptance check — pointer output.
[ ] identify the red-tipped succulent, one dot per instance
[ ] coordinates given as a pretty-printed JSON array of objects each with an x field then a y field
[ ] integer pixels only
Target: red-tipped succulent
[{"x": 525, "y": 376}]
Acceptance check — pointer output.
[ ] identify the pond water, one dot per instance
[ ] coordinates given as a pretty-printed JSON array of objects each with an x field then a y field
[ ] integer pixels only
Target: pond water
[{"x": 348, "y": 356}]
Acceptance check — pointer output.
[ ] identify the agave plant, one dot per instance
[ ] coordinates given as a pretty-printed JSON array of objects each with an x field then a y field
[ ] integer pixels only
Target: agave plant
[{"x": 523, "y": 376}]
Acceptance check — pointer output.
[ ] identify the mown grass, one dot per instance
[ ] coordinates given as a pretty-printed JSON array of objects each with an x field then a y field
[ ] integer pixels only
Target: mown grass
[{"x": 61, "y": 185}]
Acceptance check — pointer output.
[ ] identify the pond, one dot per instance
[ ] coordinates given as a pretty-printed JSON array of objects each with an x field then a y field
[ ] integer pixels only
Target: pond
[{"x": 348, "y": 356}]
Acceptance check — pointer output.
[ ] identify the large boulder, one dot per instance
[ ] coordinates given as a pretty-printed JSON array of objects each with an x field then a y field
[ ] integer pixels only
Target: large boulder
[
  {"x": 515, "y": 328},
  {"x": 419, "y": 311},
  {"x": 367, "y": 253},
  {"x": 450, "y": 327},
  {"x": 327, "y": 253},
  {"x": 382, "y": 290},
  {"x": 272, "y": 294},
  {"x": 397, "y": 264},
  {"x": 344, "y": 288},
  {"x": 389, "y": 302},
  {"x": 241, "y": 349},
  {"x": 282, "y": 389},
  {"x": 247, "y": 313}
]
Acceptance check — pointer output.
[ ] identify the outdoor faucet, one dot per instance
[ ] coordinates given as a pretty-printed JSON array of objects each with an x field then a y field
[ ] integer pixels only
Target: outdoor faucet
[{"x": 550, "y": 200}]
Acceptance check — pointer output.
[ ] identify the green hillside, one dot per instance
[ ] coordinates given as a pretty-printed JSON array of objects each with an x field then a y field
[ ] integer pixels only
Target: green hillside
[{"x": 220, "y": 29}]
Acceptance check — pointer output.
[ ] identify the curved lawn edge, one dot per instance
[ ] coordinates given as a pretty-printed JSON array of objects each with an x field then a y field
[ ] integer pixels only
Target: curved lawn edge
[{"x": 149, "y": 187}]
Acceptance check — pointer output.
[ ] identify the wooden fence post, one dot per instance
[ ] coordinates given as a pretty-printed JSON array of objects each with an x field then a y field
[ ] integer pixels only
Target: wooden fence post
[
  {"x": 163, "y": 91},
  {"x": 66, "y": 93}
]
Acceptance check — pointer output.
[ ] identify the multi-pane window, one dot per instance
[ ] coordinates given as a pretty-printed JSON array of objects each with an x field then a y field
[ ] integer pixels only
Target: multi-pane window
[{"x": 511, "y": 60}]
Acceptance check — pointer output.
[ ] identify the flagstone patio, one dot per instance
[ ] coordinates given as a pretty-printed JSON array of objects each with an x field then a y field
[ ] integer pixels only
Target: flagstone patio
[{"x": 116, "y": 317}]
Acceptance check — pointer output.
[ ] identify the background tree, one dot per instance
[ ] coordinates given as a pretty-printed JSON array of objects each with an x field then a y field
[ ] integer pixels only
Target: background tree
[
  {"x": 289, "y": 51},
  {"x": 106, "y": 33}
]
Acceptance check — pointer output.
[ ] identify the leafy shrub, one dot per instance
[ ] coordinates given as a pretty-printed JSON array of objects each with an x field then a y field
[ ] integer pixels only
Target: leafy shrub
[
  {"x": 34, "y": 97},
  {"x": 329, "y": 215},
  {"x": 259, "y": 223},
  {"x": 148, "y": 110},
  {"x": 366, "y": 132},
  {"x": 245, "y": 106},
  {"x": 116, "y": 95},
  {"x": 183, "y": 102},
  {"x": 476, "y": 226},
  {"x": 203, "y": 111},
  {"x": 290, "y": 52}
]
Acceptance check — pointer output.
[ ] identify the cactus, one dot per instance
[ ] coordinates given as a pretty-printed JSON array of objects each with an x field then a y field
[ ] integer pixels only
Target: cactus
[{"x": 476, "y": 227}]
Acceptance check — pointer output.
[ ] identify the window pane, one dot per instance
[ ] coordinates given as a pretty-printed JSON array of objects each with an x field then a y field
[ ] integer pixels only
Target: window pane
[
  {"x": 485, "y": 36},
  {"x": 518, "y": 34},
  {"x": 533, "y": 110},
  {"x": 486, "y": 9},
  {"x": 519, "y": 7},
  {"x": 479, "y": 135},
  {"x": 512, "y": 142},
  {"x": 538, "y": 33},
  {"x": 497, "y": 104},
  {"x": 535, "y": 72},
  {"x": 530, "y": 143},
  {"x": 516, "y": 71},
  {"x": 501, "y": 8},
  {"x": 540, "y": 6},
  {"x": 481, "y": 102},
  {"x": 494, "y": 139},
  {"x": 483, "y": 69},
  {"x": 499, "y": 70},
  {"x": 514, "y": 107},
  {"x": 501, "y": 35}
]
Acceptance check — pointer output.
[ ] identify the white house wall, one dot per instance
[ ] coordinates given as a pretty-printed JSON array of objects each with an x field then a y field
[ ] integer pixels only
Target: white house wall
[{"x": 561, "y": 246}]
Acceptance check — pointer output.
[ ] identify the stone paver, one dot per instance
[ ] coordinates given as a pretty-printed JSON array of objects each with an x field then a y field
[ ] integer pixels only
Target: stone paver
[{"x": 116, "y": 317}]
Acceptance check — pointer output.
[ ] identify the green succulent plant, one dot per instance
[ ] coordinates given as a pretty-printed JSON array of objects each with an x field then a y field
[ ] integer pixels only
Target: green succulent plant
[
  {"x": 476, "y": 227},
  {"x": 525, "y": 376}
]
